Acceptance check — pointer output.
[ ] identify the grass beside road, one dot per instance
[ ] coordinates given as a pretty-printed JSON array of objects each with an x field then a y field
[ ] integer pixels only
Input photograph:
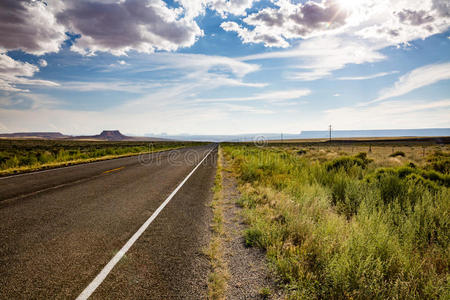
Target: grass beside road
[
  {"x": 17, "y": 156},
  {"x": 218, "y": 276},
  {"x": 339, "y": 225}
]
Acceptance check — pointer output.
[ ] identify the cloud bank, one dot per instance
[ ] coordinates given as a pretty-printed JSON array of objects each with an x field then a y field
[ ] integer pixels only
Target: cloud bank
[{"x": 380, "y": 22}]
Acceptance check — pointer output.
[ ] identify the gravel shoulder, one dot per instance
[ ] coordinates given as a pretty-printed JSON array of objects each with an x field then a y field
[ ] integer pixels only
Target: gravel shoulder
[{"x": 249, "y": 276}]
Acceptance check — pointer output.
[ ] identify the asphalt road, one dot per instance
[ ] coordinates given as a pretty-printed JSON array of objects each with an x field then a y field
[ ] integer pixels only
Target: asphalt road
[{"x": 59, "y": 228}]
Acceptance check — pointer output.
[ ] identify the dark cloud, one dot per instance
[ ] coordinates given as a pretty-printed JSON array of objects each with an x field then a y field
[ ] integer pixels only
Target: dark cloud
[
  {"x": 267, "y": 17},
  {"x": 142, "y": 25},
  {"x": 303, "y": 19},
  {"x": 413, "y": 17},
  {"x": 132, "y": 24},
  {"x": 273, "y": 26},
  {"x": 442, "y": 7},
  {"x": 30, "y": 26},
  {"x": 313, "y": 16}
]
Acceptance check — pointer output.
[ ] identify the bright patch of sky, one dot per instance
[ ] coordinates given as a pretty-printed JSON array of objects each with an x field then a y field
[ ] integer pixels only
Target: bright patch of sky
[{"x": 223, "y": 66}]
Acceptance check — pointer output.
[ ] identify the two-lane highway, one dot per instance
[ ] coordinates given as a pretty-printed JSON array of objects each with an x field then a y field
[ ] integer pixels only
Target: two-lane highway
[{"x": 60, "y": 228}]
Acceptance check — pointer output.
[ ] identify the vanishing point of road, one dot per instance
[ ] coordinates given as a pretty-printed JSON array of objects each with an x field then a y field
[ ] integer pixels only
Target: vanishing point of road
[{"x": 133, "y": 228}]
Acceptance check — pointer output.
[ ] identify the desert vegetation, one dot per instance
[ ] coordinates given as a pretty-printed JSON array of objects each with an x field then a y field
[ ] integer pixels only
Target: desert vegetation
[
  {"x": 24, "y": 155},
  {"x": 218, "y": 276},
  {"x": 340, "y": 222}
]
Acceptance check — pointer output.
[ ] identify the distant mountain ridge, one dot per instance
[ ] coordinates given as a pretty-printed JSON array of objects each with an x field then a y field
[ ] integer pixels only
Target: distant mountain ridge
[
  {"x": 106, "y": 135},
  {"x": 30, "y": 135},
  {"x": 427, "y": 132}
]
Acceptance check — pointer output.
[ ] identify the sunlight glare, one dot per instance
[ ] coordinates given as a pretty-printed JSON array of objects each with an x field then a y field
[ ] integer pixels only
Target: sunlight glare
[{"x": 349, "y": 4}]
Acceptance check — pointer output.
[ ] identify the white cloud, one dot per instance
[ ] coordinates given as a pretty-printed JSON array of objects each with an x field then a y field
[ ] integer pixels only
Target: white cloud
[
  {"x": 234, "y": 7},
  {"x": 380, "y": 23},
  {"x": 118, "y": 27},
  {"x": 255, "y": 36},
  {"x": 13, "y": 73},
  {"x": 355, "y": 33},
  {"x": 378, "y": 75},
  {"x": 392, "y": 114},
  {"x": 30, "y": 26},
  {"x": 244, "y": 109},
  {"x": 194, "y": 8},
  {"x": 319, "y": 57},
  {"x": 273, "y": 26},
  {"x": 43, "y": 63},
  {"x": 267, "y": 96},
  {"x": 155, "y": 115},
  {"x": 398, "y": 22},
  {"x": 416, "y": 79}
]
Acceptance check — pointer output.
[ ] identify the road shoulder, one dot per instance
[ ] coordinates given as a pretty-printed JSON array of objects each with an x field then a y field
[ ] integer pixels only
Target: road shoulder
[{"x": 238, "y": 272}]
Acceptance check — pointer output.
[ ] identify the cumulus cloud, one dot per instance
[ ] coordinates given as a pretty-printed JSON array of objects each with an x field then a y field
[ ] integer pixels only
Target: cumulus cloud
[
  {"x": 337, "y": 33},
  {"x": 255, "y": 36},
  {"x": 273, "y": 26},
  {"x": 234, "y": 7},
  {"x": 380, "y": 22},
  {"x": 399, "y": 22},
  {"x": 119, "y": 27},
  {"x": 442, "y": 7},
  {"x": 15, "y": 73},
  {"x": 416, "y": 79},
  {"x": 415, "y": 18},
  {"x": 194, "y": 8},
  {"x": 29, "y": 26}
]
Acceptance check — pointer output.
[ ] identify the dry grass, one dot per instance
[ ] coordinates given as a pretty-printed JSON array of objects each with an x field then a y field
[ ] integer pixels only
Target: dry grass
[
  {"x": 28, "y": 155},
  {"x": 218, "y": 277},
  {"x": 380, "y": 154},
  {"x": 341, "y": 226},
  {"x": 52, "y": 165}
]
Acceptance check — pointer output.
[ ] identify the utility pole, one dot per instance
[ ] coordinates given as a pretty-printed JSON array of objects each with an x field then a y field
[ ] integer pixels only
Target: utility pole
[
  {"x": 281, "y": 137},
  {"x": 330, "y": 132}
]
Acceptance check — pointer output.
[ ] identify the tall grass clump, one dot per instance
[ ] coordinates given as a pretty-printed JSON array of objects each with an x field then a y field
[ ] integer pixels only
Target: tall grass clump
[{"x": 345, "y": 228}]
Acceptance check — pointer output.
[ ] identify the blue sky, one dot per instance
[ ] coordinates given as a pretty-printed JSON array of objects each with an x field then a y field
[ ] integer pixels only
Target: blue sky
[{"x": 223, "y": 66}]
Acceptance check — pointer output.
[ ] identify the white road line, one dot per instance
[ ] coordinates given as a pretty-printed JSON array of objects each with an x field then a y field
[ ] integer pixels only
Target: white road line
[{"x": 107, "y": 269}]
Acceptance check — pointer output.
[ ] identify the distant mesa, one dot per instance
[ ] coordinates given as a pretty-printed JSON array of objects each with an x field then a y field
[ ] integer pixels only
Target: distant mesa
[
  {"x": 106, "y": 135},
  {"x": 112, "y": 135}
]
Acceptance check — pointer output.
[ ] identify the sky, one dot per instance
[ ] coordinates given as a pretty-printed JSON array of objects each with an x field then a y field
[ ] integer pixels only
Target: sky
[{"x": 223, "y": 66}]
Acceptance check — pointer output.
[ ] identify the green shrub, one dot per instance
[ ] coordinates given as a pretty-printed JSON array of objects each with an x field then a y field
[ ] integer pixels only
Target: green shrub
[
  {"x": 364, "y": 158},
  {"x": 398, "y": 153},
  {"x": 440, "y": 162},
  {"x": 301, "y": 152},
  {"x": 403, "y": 172},
  {"x": 33, "y": 153},
  {"x": 347, "y": 162},
  {"x": 45, "y": 157},
  {"x": 344, "y": 163},
  {"x": 28, "y": 160},
  {"x": 343, "y": 229},
  {"x": 253, "y": 237}
]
